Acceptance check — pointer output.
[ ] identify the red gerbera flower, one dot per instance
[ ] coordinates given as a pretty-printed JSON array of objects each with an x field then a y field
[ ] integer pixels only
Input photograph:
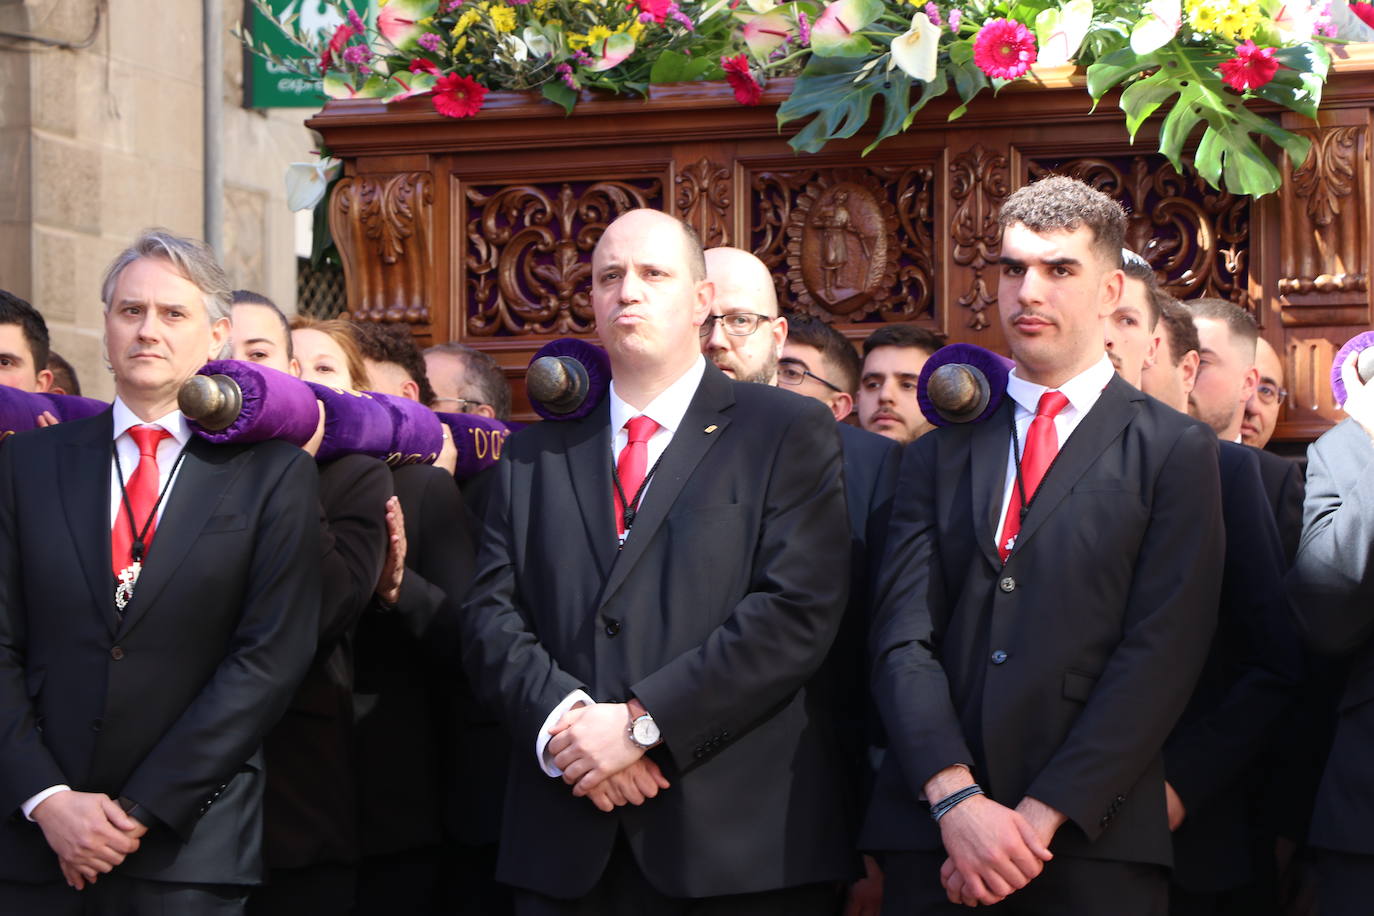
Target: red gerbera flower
[
  {"x": 458, "y": 96},
  {"x": 1004, "y": 49},
  {"x": 336, "y": 43},
  {"x": 656, "y": 8},
  {"x": 1365, "y": 11},
  {"x": 423, "y": 65},
  {"x": 1251, "y": 68},
  {"x": 747, "y": 89}
]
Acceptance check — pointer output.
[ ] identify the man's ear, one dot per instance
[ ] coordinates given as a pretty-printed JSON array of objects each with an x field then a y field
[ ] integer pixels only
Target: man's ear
[
  {"x": 44, "y": 380},
  {"x": 1187, "y": 369},
  {"x": 1112, "y": 285},
  {"x": 779, "y": 335},
  {"x": 410, "y": 390},
  {"x": 705, "y": 297},
  {"x": 219, "y": 337},
  {"x": 841, "y": 405}
]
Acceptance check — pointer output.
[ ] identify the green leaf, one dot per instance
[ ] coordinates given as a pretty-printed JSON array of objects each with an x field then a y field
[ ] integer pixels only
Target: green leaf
[
  {"x": 1143, "y": 97},
  {"x": 826, "y": 92},
  {"x": 931, "y": 90},
  {"x": 1298, "y": 84},
  {"x": 1178, "y": 124},
  {"x": 1115, "y": 67},
  {"x": 896, "y": 93},
  {"x": 675, "y": 67},
  {"x": 560, "y": 93}
]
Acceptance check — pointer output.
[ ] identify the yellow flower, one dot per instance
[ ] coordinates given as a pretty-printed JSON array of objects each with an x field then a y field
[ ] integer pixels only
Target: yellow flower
[
  {"x": 459, "y": 45},
  {"x": 634, "y": 29},
  {"x": 465, "y": 22},
  {"x": 503, "y": 18}
]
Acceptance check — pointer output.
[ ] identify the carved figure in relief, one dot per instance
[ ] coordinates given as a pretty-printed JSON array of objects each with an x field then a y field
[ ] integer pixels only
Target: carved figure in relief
[{"x": 836, "y": 227}]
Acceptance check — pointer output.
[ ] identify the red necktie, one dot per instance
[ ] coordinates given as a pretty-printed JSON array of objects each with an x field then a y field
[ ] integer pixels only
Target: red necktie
[
  {"x": 142, "y": 493},
  {"x": 634, "y": 461},
  {"x": 1042, "y": 444}
]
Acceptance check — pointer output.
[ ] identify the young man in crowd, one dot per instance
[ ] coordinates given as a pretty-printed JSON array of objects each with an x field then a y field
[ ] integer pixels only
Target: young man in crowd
[{"x": 893, "y": 358}]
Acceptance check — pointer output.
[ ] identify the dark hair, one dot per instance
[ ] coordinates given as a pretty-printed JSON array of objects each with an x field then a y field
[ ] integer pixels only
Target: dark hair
[
  {"x": 1061, "y": 204},
  {"x": 902, "y": 335},
  {"x": 14, "y": 310},
  {"x": 1137, "y": 268},
  {"x": 834, "y": 347},
  {"x": 1178, "y": 322},
  {"x": 345, "y": 335},
  {"x": 1240, "y": 325},
  {"x": 63, "y": 375},
  {"x": 248, "y": 297},
  {"x": 393, "y": 343},
  {"x": 483, "y": 373}
]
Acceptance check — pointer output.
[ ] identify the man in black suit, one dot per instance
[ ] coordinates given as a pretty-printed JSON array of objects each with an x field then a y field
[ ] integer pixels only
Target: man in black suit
[
  {"x": 1036, "y": 641},
  {"x": 657, "y": 648},
  {"x": 134, "y": 705},
  {"x": 1332, "y": 584}
]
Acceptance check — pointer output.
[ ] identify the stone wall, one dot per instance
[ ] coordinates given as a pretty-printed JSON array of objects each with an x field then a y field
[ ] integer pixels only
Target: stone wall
[{"x": 96, "y": 144}]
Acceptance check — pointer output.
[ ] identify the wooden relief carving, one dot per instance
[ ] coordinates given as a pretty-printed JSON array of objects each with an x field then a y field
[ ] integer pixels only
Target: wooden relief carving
[
  {"x": 856, "y": 243},
  {"x": 528, "y": 252},
  {"x": 703, "y": 200},
  {"x": 977, "y": 189},
  {"x": 1196, "y": 238},
  {"x": 1325, "y": 255},
  {"x": 381, "y": 225}
]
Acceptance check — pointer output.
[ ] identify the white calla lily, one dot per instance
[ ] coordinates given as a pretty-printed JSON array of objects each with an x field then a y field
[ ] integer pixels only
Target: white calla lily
[
  {"x": 537, "y": 42},
  {"x": 916, "y": 51},
  {"x": 306, "y": 182}
]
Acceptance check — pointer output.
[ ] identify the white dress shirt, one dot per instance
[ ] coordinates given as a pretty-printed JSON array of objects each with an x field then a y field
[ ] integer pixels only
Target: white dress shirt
[
  {"x": 1082, "y": 390},
  {"x": 127, "y": 450},
  {"x": 667, "y": 410}
]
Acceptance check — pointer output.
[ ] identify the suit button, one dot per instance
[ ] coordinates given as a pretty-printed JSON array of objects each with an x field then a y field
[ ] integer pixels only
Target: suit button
[
  {"x": 97, "y": 725},
  {"x": 1102, "y": 822},
  {"x": 116, "y": 653},
  {"x": 998, "y": 656},
  {"x": 1008, "y": 584},
  {"x": 1121, "y": 799},
  {"x": 612, "y": 627}
]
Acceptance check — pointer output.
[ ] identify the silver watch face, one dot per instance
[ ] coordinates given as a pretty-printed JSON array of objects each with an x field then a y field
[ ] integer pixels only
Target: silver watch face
[{"x": 645, "y": 731}]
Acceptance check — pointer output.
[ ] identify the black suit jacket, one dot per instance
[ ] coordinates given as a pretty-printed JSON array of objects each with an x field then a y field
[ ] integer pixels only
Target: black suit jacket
[
  {"x": 1332, "y": 584},
  {"x": 716, "y": 615},
  {"x": 1284, "y": 487},
  {"x": 1060, "y": 674},
  {"x": 410, "y": 685},
  {"x": 310, "y": 815},
  {"x": 170, "y": 707},
  {"x": 1254, "y": 668}
]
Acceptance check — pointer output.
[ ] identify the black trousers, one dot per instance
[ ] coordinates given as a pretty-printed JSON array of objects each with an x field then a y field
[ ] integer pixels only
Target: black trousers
[
  {"x": 1344, "y": 882},
  {"x": 319, "y": 890},
  {"x": 116, "y": 895},
  {"x": 1067, "y": 887},
  {"x": 624, "y": 891}
]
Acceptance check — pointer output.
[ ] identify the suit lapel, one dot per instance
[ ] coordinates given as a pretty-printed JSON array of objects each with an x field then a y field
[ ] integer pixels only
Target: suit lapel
[
  {"x": 588, "y": 453},
  {"x": 84, "y": 470},
  {"x": 1108, "y": 417},
  {"x": 200, "y": 484},
  {"x": 690, "y": 443},
  {"x": 990, "y": 445}
]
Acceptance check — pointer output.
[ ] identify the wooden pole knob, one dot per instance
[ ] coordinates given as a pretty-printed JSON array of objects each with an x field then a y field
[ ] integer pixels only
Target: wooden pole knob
[
  {"x": 213, "y": 401},
  {"x": 960, "y": 392}
]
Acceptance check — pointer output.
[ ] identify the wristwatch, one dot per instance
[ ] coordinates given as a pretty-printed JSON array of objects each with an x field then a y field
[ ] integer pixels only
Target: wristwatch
[{"x": 644, "y": 732}]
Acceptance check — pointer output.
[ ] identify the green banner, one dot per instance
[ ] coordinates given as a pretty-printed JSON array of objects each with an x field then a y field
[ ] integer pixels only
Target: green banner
[{"x": 269, "y": 85}]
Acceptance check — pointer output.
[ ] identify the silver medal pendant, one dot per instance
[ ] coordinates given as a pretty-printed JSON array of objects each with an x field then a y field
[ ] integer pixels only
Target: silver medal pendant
[{"x": 128, "y": 577}]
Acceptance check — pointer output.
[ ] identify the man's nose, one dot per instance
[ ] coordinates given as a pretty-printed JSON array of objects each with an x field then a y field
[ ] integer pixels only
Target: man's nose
[{"x": 717, "y": 339}]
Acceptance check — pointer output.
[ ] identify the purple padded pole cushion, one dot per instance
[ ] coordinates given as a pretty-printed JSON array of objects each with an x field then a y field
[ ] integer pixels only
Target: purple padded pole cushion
[
  {"x": 593, "y": 359},
  {"x": 478, "y": 439},
  {"x": 276, "y": 405},
  {"x": 993, "y": 365},
  {"x": 1352, "y": 348},
  {"x": 417, "y": 434},
  {"x": 19, "y": 410},
  {"x": 355, "y": 423}
]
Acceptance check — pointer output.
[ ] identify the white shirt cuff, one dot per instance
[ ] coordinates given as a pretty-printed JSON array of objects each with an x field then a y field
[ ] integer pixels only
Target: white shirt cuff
[
  {"x": 576, "y": 698},
  {"x": 28, "y": 806}
]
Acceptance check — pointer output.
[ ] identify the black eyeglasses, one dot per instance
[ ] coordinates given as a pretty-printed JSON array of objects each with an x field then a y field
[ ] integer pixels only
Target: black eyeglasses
[
  {"x": 461, "y": 402},
  {"x": 795, "y": 374},
  {"x": 1271, "y": 394},
  {"x": 736, "y": 324}
]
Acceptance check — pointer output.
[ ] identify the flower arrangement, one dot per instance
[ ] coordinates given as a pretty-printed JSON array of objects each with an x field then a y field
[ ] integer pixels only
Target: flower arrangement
[{"x": 1197, "y": 62}]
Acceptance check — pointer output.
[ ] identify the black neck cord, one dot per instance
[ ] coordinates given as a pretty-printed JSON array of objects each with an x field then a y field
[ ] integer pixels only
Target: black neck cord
[
  {"x": 631, "y": 507},
  {"x": 139, "y": 548}
]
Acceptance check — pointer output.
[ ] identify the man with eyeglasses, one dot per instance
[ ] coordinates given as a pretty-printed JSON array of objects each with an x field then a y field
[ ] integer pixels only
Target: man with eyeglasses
[
  {"x": 467, "y": 381},
  {"x": 743, "y": 335},
  {"x": 1262, "y": 410}
]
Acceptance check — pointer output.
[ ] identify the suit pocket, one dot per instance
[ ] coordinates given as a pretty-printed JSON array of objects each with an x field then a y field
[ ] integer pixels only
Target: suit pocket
[
  {"x": 1078, "y": 686},
  {"x": 217, "y": 524}
]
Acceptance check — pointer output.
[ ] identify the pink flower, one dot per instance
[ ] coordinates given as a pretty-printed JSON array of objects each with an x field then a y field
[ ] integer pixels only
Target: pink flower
[
  {"x": 458, "y": 96},
  {"x": 955, "y": 17},
  {"x": 565, "y": 73},
  {"x": 421, "y": 65},
  {"x": 747, "y": 89},
  {"x": 1365, "y": 11},
  {"x": 452, "y": 5},
  {"x": 336, "y": 44},
  {"x": 682, "y": 18},
  {"x": 1004, "y": 49},
  {"x": 655, "y": 8},
  {"x": 933, "y": 13},
  {"x": 803, "y": 28},
  {"x": 431, "y": 42},
  {"x": 355, "y": 21},
  {"x": 1251, "y": 68},
  {"x": 356, "y": 54}
]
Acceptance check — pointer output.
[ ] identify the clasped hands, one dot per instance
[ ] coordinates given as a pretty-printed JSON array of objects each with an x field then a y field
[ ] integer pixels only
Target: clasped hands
[
  {"x": 993, "y": 850},
  {"x": 90, "y": 833},
  {"x": 592, "y": 746}
]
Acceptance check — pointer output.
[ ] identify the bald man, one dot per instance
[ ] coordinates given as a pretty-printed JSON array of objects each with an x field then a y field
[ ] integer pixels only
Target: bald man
[{"x": 744, "y": 334}]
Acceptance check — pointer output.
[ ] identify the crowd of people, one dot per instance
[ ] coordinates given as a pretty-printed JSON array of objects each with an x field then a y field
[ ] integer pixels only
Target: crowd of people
[{"x": 750, "y": 635}]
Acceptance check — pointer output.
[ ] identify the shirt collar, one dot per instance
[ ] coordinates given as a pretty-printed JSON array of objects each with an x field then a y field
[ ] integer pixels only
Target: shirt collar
[
  {"x": 174, "y": 422},
  {"x": 668, "y": 409},
  {"x": 1082, "y": 390}
]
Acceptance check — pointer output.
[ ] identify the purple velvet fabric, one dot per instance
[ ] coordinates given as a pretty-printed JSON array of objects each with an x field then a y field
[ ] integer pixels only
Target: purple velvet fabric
[
  {"x": 993, "y": 365},
  {"x": 275, "y": 405},
  {"x": 417, "y": 433},
  {"x": 479, "y": 441},
  {"x": 355, "y": 423},
  {"x": 19, "y": 410},
  {"x": 1352, "y": 346},
  {"x": 593, "y": 359}
]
